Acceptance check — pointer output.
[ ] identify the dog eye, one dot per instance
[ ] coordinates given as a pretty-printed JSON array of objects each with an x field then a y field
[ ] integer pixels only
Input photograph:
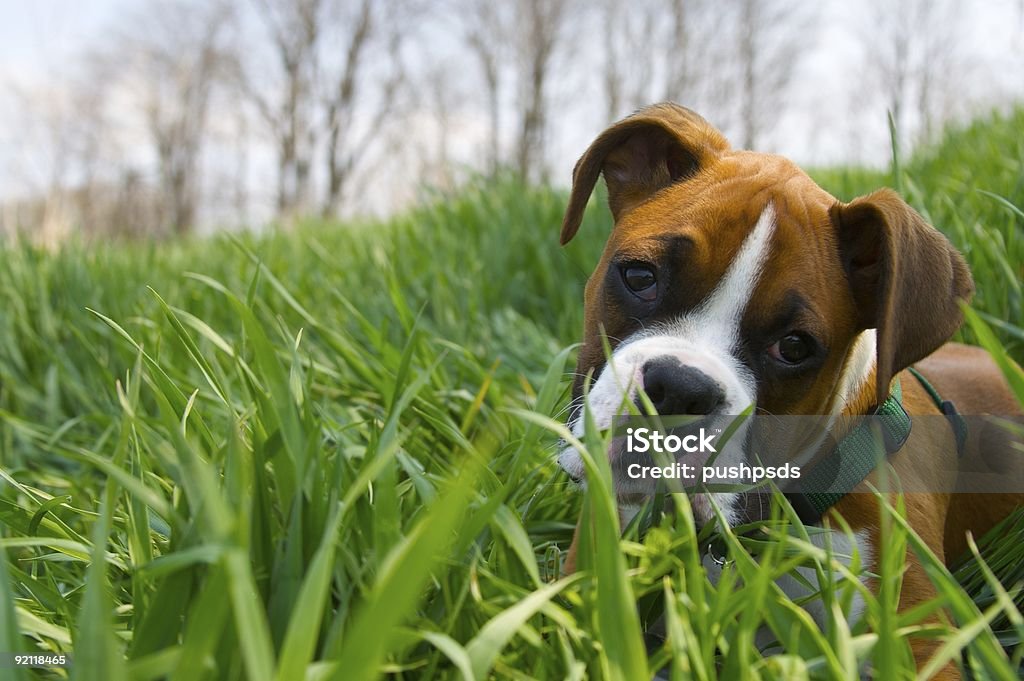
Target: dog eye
[
  {"x": 792, "y": 349},
  {"x": 641, "y": 280}
]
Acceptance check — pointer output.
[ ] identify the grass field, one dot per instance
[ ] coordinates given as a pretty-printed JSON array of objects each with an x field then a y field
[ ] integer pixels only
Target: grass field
[{"x": 327, "y": 454}]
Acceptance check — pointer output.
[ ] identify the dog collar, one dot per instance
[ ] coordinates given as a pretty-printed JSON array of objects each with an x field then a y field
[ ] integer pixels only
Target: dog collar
[
  {"x": 857, "y": 454},
  {"x": 852, "y": 459}
]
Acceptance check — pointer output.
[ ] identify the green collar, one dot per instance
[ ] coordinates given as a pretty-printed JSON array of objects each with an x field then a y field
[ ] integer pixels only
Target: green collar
[
  {"x": 852, "y": 460},
  {"x": 844, "y": 468},
  {"x": 858, "y": 453}
]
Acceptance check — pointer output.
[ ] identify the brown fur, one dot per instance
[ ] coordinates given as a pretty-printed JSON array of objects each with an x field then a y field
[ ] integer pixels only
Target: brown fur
[{"x": 677, "y": 191}]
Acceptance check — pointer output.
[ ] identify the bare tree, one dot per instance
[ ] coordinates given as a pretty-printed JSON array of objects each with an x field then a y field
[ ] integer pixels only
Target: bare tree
[
  {"x": 47, "y": 133},
  {"x": 680, "y": 71},
  {"x": 287, "y": 101},
  {"x": 171, "y": 56},
  {"x": 658, "y": 50},
  {"x": 767, "y": 56},
  {"x": 86, "y": 185},
  {"x": 612, "y": 74},
  {"x": 373, "y": 49},
  {"x": 439, "y": 98},
  {"x": 630, "y": 55},
  {"x": 336, "y": 76},
  {"x": 891, "y": 36},
  {"x": 935, "y": 66},
  {"x": 68, "y": 143},
  {"x": 539, "y": 28},
  {"x": 240, "y": 174},
  {"x": 914, "y": 56},
  {"x": 486, "y": 31},
  {"x": 515, "y": 45}
]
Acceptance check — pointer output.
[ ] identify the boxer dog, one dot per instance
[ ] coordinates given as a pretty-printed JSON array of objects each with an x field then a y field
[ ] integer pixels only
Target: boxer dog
[{"x": 731, "y": 280}]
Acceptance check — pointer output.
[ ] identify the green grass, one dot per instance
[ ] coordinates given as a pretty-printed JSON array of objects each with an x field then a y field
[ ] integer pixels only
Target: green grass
[{"x": 328, "y": 455}]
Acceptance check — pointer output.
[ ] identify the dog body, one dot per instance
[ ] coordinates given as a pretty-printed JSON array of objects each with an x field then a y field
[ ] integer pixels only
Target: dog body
[{"x": 731, "y": 280}]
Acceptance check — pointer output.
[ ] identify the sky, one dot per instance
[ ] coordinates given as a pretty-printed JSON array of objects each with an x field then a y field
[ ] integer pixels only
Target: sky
[
  {"x": 35, "y": 35},
  {"x": 36, "y": 38},
  {"x": 39, "y": 39}
]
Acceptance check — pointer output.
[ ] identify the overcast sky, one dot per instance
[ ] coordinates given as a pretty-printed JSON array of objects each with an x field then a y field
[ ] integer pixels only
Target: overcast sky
[
  {"x": 36, "y": 35},
  {"x": 39, "y": 39}
]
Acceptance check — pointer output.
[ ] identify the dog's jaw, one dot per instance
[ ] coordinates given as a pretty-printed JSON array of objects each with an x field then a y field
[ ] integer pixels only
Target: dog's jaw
[{"x": 706, "y": 338}]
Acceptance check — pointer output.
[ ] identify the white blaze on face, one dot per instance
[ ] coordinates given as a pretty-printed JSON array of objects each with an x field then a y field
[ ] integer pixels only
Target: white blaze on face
[{"x": 707, "y": 338}]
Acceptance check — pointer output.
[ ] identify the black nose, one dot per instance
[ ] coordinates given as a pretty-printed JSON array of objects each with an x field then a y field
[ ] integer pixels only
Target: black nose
[{"x": 674, "y": 388}]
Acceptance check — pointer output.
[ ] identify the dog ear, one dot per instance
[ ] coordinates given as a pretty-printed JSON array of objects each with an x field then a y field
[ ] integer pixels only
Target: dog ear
[
  {"x": 655, "y": 147},
  {"x": 907, "y": 279}
]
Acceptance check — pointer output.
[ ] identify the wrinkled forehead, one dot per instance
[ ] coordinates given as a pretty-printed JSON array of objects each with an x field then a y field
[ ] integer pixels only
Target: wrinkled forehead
[
  {"x": 714, "y": 212},
  {"x": 732, "y": 192}
]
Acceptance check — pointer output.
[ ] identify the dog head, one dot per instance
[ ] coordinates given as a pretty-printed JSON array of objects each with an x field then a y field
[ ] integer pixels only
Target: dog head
[{"x": 731, "y": 280}]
